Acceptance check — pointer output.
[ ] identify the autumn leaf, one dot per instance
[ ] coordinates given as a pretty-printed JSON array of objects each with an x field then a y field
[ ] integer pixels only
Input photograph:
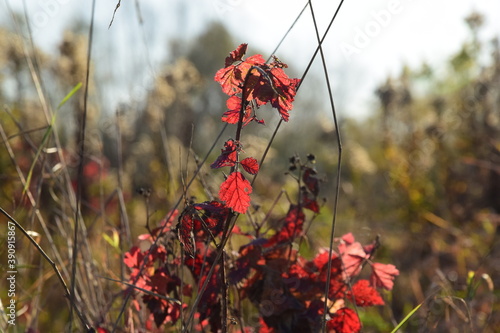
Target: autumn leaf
[
  {"x": 383, "y": 275},
  {"x": 235, "y": 191},
  {"x": 309, "y": 203},
  {"x": 236, "y": 55},
  {"x": 232, "y": 76},
  {"x": 286, "y": 89},
  {"x": 228, "y": 155},
  {"x": 161, "y": 310},
  {"x": 232, "y": 115},
  {"x": 364, "y": 294},
  {"x": 259, "y": 86},
  {"x": 199, "y": 219},
  {"x": 321, "y": 259},
  {"x": 250, "y": 165},
  {"x": 213, "y": 215},
  {"x": 102, "y": 330},
  {"x": 292, "y": 226},
  {"x": 185, "y": 231},
  {"x": 133, "y": 258},
  {"x": 250, "y": 256},
  {"x": 348, "y": 238},
  {"x": 265, "y": 84},
  {"x": 353, "y": 256},
  {"x": 197, "y": 264},
  {"x": 264, "y": 328},
  {"x": 344, "y": 320},
  {"x": 272, "y": 85},
  {"x": 311, "y": 181}
]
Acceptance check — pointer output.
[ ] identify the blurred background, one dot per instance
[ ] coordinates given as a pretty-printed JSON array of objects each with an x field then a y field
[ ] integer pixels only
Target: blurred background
[{"x": 416, "y": 85}]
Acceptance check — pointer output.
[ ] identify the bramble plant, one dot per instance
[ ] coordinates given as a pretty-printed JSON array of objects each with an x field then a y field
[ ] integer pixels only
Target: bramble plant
[{"x": 287, "y": 290}]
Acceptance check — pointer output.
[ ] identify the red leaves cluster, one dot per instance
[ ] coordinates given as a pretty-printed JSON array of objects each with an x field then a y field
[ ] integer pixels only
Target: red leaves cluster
[
  {"x": 292, "y": 227},
  {"x": 267, "y": 267},
  {"x": 232, "y": 76},
  {"x": 344, "y": 320},
  {"x": 257, "y": 81},
  {"x": 198, "y": 221},
  {"x": 287, "y": 289},
  {"x": 150, "y": 272},
  {"x": 209, "y": 309}
]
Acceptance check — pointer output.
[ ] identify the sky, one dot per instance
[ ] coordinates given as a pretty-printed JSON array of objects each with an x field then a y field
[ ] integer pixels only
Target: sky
[{"x": 369, "y": 40}]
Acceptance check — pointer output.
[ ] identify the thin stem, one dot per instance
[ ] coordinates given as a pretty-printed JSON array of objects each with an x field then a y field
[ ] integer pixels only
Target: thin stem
[
  {"x": 81, "y": 154},
  {"x": 261, "y": 162},
  {"x": 230, "y": 221},
  {"x": 288, "y": 31},
  {"x": 339, "y": 161},
  {"x": 224, "y": 297}
]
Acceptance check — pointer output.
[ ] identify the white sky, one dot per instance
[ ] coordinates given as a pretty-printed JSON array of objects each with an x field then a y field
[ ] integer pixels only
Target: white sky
[{"x": 415, "y": 30}]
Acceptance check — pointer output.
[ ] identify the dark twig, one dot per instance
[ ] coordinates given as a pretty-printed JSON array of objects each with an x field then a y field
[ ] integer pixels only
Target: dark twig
[
  {"x": 339, "y": 160},
  {"x": 81, "y": 155},
  {"x": 114, "y": 12}
]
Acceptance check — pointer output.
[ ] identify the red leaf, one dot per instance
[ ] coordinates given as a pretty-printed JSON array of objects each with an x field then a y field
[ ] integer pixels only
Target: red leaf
[
  {"x": 292, "y": 226},
  {"x": 236, "y": 55},
  {"x": 344, "y": 320},
  {"x": 364, "y": 294},
  {"x": 197, "y": 219},
  {"x": 229, "y": 79},
  {"x": 214, "y": 215},
  {"x": 348, "y": 238},
  {"x": 232, "y": 116},
  {"x": 162, "y": 283},
  {"x": 353, "y": 256},
  {"x": 197, "y": 264},
  {"x": 286, "y": 89},
  {"x": 250, "y": 256},
  {"x": 273, "y": 87},
  {"x": 264, "y": 328},
  {"x": 133, "y": 258},
  {"x": 102, "y": 330},
  {"x": 321, "y": 259},
  {"x": 185, "y": 231},
  {"x": 228, "y": 155},
  {"x": 232, "y": 76},
  {"x": 383, "y": 275},
  {"x": 235, "y": 191},
  {"x": 312, "y": 183},
  {"x": 255, "y": 60},
  {"x": 260, "y": 87},
  {"x": 250, "y": 165},
  {"x": 309, "y": 203}
]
